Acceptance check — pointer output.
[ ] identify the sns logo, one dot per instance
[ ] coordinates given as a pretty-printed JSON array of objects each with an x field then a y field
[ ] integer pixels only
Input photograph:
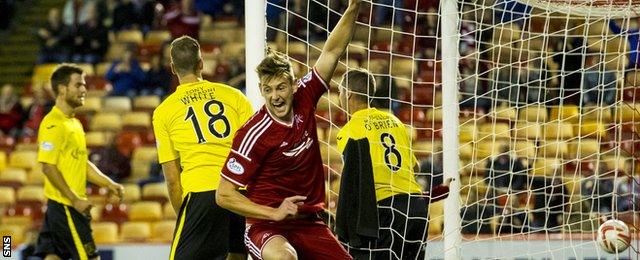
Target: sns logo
[
  {"x": 235, "y": 167},
  {"x": 6, "y": 246}
]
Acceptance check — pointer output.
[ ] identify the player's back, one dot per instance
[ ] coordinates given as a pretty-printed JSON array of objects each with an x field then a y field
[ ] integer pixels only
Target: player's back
[
  {"x": 196, "y": 124},
  {"x": 390, "y": 150}
]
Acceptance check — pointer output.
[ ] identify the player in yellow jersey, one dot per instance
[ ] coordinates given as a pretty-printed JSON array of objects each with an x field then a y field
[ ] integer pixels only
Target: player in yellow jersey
[
  {"x": 62, "y": 152},
  {"x": 194, "y": 129},
  {"x": 398, "y": 195}
]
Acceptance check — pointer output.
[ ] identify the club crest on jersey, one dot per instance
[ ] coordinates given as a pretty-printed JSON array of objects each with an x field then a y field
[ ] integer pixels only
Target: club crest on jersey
[
  {"x": 307, "y": 77},
  {"x": 235, "y": 167}
]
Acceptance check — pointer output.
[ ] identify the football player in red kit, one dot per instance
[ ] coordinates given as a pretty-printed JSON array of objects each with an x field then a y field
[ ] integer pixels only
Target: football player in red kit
[{"x": 277, "y": 157}]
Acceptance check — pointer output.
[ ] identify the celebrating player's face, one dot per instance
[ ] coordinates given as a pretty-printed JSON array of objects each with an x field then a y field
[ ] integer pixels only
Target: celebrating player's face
[
  {"x": 75, "y": 91},
  {"x": 278, "y": 95}
]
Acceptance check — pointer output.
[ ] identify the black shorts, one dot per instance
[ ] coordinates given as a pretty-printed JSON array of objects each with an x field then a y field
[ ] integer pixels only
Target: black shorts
[
  {"x": 65, "y": 233},
  {"x": 399, "y": 237},
  {"x": 205, "y": 230}
]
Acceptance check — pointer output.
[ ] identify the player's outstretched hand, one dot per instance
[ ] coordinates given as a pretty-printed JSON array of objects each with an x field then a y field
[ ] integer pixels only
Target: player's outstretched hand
[
  {"x": 83, "y": 206},
  {"x": 288, "y": 207},
  {"x": 117, "y": 189}
]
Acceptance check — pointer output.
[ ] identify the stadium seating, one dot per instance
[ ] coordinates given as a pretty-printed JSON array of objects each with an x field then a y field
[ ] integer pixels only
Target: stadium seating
[
  {"x": 533, "y": 114},
  {"x": 155, "y": 192},
  {"x": 145, "y": 211},
  {"x": 117, "y": 105},
  {"x": 566, "y": 113},
  {"x": 31, "y": 194},
  {"x": 553, "y": 149},
  {"x": 146, "y": 103},
  {"x": 14, "y": 177},
  {"x": 135, "y": 231},
  {"x": 162, "y": 231},
  {"x": 131, "y": 193},
  {"x": 3, "y": 160},
  {"x": 96, "y": 139},
  {"x": 558, "y": 130},
  {"x": 7, "y": 196},
  {"x": 23, "y": 159},
  {"x": 16, "y": 231},
  {"x": 115, "y": 212},
  {"x": 91, "y": 105},
  {"x": 105, "y": 232},
  {"x": 130, "y": 36},
  {"x": 136, "y": 121},
  {"x": 546, "y": 167},
  {"x": 105, "y": 121}
]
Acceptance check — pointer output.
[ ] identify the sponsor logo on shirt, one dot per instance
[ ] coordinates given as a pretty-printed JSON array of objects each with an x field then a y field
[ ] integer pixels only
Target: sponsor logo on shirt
[
  {"x": 299, "y": 148},
  {"x": 235, "y": 167},
  {"x": 46, "y": 146},
  {"x": 77, "y": 153},
  {"x": 51, "y": 126}
]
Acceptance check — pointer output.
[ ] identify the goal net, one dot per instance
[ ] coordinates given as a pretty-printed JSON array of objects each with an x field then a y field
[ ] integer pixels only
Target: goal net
[{"x": 548, "y": 124}]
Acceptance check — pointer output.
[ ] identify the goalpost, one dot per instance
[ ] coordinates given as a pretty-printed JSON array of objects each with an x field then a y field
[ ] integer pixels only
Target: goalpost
[{"x": 530, "y": 105}]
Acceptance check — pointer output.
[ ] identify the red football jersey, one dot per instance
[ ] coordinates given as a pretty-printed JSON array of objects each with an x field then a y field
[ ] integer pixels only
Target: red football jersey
[{"x": 275, "y": 160}]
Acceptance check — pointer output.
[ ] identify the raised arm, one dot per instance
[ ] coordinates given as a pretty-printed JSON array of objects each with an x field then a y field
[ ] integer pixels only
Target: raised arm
[{"x": 338, "y": 41}]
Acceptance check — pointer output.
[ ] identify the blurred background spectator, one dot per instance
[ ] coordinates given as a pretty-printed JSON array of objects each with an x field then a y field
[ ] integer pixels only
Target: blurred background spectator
[
  {"x": 91, "y": 40},
  {"x": 10, "y": 110},
  {"x": 54, "y": 39},
  {"x": 125, "y": 75}
]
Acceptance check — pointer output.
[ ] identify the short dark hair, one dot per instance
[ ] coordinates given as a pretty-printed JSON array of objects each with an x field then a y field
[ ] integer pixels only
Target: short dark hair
[
  {"x": 275, "y": 64},
  {"x": 361, "y": 82},
  {"x": 62, "y": 75},
  {"x": 185, "y": 55}
]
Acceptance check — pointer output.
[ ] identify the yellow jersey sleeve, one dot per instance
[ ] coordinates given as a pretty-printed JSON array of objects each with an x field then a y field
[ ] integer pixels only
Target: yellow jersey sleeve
[
  {"x": 51, "y": 139},
  {"x": 166, "y": 151},
  {"x": 245, "y": 110}
]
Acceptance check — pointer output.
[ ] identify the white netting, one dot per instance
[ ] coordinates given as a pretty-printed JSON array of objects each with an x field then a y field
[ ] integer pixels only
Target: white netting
[{"x": 547, "y": 139}]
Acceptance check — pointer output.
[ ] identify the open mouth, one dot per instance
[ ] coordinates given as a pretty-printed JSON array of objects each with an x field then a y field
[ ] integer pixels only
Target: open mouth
[{"x": 278, "y": 105}]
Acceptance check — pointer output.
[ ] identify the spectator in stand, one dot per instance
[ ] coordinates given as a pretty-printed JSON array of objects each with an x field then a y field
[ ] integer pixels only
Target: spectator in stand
[
  {"x": 210, "y": 7},
  {"x": 384, "y": 9},
  {"x": 505, "y": 172},
  {"x": 182, "y": 19},
  {"x": 124, "y": 16},
  {"x": 146, "y": 11},
  {"x": 473, "y": 94},
  {"x": 92, "y": 40},
  {"x": 628, "y": 193},
  {"x": 54, "y": 39},
  {"x": 597, "y": 190},
  {"x": 10, "y": 111},
  {"x": 158, "y": 79},
  {"x": 125, "y": 75},
  {"x": 112, "y": 161},
  {"x": 274, "y": 12},
  {"x": 599, "y": 84},
  {"x": 43, "y": 101}
]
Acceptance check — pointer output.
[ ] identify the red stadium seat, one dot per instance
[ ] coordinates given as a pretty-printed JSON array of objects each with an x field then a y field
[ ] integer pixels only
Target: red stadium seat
[
  {"x": 96, "y": 83},
  {"x": 127, "y": 141},
  {"x": 115, "y": 212}
]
